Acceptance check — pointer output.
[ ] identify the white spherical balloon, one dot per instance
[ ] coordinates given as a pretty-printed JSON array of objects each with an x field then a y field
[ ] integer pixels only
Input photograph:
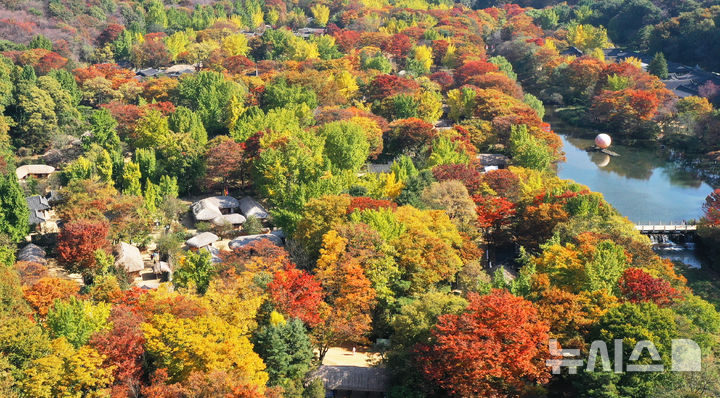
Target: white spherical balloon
[{"x": 603, "y": 141}]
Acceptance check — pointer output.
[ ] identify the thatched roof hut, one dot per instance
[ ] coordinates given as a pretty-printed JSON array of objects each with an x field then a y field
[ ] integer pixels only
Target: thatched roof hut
[
  {"x": 215, "y": 206},
  {"x": 32, "y": 253},
  {"x": 128, "y": 257},
  {"x": 251, "y": 207},
  {"x": 38, "y": 170},
  {"x": 233, "y": 219},
  {"x": 201, "y": 240},
  {"x": 241, "y": 241}
]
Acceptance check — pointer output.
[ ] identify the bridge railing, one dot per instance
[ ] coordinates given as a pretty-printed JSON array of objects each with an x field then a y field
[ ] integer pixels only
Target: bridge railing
[{"x": 665, "y": 228}]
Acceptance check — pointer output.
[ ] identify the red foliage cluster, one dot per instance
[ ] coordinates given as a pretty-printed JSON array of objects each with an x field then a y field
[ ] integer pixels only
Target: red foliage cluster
[
  {"x": 364, "y": 202},
  {"x": 109, "y": 34},
  {"x": 399, "y": 45},
  {"x": 117, "y": 75},
  {"x": 493, "y": 211},
  {"x": 494, "y": 348},
  {"x": 298, "y": 294},
  {"x": 468, "y": 175},
  {"x": 165, "y": 107},
  {"x": 262, "y": 253},
  {"x": 410, "y": 133},
  {"x": 78, "y": 241},
  {"x": 346, "y": 39},
  {"x": 711, "y": 207},
  {"x": 472, "y": 68},
  {"x": 49, "y": 62},
  {"x": 126, "y": 115},
  {"x": 384, "y": 86},
  {"x": 503, "y": 181},
  {"x": 638, "y": 286},
  {"x": 123, "y": 345},
  {"x": 238, "y": 64},
  {"x": 444, "y": 79},
  {"x": 497, "y": 81}
]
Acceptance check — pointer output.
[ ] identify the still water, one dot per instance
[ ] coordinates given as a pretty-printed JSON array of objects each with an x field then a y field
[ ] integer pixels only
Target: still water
[{"x": 642, "y": 185}]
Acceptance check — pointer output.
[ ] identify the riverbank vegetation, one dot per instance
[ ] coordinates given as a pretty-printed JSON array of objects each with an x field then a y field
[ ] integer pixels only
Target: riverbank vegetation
[{"x": 372, "y": 255}]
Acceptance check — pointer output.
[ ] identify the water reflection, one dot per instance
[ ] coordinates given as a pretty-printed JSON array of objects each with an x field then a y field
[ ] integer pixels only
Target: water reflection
[{"x": 640, "y": 184}]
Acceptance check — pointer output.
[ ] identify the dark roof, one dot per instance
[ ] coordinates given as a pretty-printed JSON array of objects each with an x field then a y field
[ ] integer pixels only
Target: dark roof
[
  {"x": 37, "y": 202},
  {"x": 32, "y": 253},
  {"x": 572, "y": 51},
  {"x": 36, "y": 217},
  {"x": 353, "y": 378},
  {"x": 149, "y": 72}
]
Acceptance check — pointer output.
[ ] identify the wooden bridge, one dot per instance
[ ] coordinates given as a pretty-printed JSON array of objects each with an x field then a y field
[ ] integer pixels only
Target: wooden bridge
[{"x": 666, "y": 229}]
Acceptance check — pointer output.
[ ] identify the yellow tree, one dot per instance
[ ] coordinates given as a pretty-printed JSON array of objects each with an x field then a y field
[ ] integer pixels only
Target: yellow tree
[
  {"x": 321, "y": 14},
  {"x": 67, "y": 372},
  {"x": 427, "y": 252},
  {"x": 179, "y": 42},
  {"x": 424, "y": 56},
  {"x": 236, "y": 44},
  {"x": 205, "y": 343}
]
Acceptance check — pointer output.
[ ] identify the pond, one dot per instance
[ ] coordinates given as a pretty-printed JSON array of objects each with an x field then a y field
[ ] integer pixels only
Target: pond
[
  {"x": 639, "y": 183},
  {"x": 642, "y": 185}
]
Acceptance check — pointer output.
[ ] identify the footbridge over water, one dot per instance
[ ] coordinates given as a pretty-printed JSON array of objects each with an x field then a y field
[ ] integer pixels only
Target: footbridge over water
[{"x": 663, "y": 229}]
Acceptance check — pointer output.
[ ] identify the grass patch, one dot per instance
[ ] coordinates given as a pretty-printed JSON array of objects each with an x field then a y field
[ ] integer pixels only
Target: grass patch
[{"x": 704, "y": 282}]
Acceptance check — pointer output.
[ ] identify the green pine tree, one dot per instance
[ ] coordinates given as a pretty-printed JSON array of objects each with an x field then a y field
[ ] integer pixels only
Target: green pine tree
[
  {"x": 658, "y": 66},
  {"x": 285, "y": 347},
  {"x": 14, "y": 213}
]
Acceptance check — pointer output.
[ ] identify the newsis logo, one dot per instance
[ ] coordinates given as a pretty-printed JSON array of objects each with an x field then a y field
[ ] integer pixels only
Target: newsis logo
[{"x": 685, "y": 357}]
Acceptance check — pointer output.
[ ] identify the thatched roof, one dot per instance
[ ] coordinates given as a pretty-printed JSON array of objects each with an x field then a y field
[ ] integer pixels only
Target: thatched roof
[
  {"x": 210, "y": 208},
  {"x": 128, "y": 257},
  {"x": 28, "y": 169},
  {"x": 353, "y": 378},
  {"x": 233, "y": 218},
  {"x": 32, "y": 253},
  {"x": 251, "y": 207},
  {"x": 241, "y": 241},
  {"x": 201, "y": 240}
]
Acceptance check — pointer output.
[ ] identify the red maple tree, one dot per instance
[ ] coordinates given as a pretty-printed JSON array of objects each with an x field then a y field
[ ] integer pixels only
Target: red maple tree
[
  {"x": 495, "y": 348},
  {"x": 493, "y": 211},
  {"x": 297, "y": 294},
  {"x": 637, "y": 286},
  {"x": 123, "y": 345},
  {"x": 466, "y": 174},
  {"x": 364, "y": 202},
  {"x": 78, "y": 242}
]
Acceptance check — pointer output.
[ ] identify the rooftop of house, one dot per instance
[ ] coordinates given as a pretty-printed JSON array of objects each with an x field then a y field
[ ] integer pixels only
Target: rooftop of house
[
  {"x": 33, "y": 169},
  {"x": 353, "y": 378},
  {"x": 202, "y": 239},
  {"x": 32, "y": 253}
]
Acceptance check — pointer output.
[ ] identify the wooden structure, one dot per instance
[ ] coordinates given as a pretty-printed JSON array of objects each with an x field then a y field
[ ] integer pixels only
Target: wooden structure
[{"x": 351, "y": 381}]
